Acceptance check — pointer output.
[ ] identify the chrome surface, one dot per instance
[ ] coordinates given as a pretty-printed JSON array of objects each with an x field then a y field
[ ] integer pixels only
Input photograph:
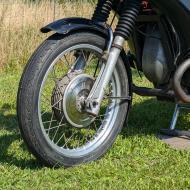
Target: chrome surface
[
  {"x": 61, "y": 135},
  {"x": 154, "y": 63},
  {"x": 97, "y": 92},
  {"x": 178, "y": 107},
  {"x": 110, "y": 39},
  {"x": 180, "y": 92},
  {"x": 76, "y": 91},
  {"x": 175, "y": 117},
  {"x": 80, "y": 63}
]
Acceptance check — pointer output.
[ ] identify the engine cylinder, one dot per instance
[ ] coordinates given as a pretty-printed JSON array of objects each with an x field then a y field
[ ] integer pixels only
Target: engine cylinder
[{"x": 154, "y": 63}]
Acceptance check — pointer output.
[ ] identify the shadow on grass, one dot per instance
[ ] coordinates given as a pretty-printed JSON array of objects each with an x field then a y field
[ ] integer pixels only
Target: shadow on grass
[
  {"x": 10, "y": 133},
  {"x": 145, "y": 118},
  {"x": 148, "y": 117}
]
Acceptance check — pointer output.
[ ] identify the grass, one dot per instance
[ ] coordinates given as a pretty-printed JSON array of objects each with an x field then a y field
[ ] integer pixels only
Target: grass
[
  {"x": 137, "y": 160},
  {"x": 20, "y": 24}
]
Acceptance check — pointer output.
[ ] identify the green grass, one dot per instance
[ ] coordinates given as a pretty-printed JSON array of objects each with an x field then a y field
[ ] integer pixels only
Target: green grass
[{"x": 137, "y": 160}]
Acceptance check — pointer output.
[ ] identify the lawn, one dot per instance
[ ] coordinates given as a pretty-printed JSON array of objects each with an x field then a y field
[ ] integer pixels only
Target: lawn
[{"x": 137, "y": 160}]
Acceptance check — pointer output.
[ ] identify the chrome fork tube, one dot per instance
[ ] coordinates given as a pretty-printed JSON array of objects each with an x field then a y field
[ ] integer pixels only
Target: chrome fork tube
[{"x": 96, "y": 94}]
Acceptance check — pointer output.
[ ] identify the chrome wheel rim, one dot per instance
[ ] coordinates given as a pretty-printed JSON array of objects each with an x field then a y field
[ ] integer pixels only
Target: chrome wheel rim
[{"x": 65, "y": 142}]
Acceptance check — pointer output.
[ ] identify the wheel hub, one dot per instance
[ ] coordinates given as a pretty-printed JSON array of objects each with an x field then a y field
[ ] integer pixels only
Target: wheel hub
[{"x": 70, "y": 94}]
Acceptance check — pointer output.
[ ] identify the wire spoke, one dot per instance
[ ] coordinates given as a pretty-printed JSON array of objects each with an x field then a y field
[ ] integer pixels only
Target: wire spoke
[
  {"x": 52, "y": 106},
  {"x": 64, "y": 139},
  {"x": 84, "y": 56},
  {"x": 90, "y": 58},
  {"x": 88, "y": 133},
  {"x": 95, "y": 126},
  {"x": 58, "y": 128},
  {"x": 99, "y": 119},
  {"x": 79, "y": 142},
  {"x": 69, "y": 139},
  {"x": 45, "y": 99},
  {"x": 102, "y": 115},
  {"x": 68, "y": 64},
  {"x": 43, "y": 113},
  {"x": 60, "y": 138},
  {"x": 56, "y": 103},
  {"x": 50, "y": 122},
  {"x": 53, "y": 74}
]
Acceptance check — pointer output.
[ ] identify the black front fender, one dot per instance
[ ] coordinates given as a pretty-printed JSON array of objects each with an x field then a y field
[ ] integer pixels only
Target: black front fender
[{"x": 67, "y": 25}]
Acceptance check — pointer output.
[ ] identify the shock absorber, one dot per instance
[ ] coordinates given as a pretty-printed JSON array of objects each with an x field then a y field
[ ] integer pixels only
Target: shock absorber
[
  {"x": 128, "y": 12},
  {"x": 128, "y": 16},
  {"x": 102, "y": 10}
]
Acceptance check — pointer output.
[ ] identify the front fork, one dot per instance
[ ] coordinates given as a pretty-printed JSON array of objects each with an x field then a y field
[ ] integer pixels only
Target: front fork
[
  {"x": 128, "y": 12},
  {"x": 96, "y": 94}
]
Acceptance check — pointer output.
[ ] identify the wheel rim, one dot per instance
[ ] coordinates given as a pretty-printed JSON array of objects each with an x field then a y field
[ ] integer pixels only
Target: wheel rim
[{"x": 59, "y": 133}]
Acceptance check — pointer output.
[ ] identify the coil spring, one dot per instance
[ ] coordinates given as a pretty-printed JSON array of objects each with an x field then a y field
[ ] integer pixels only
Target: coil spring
[
  {"x": 128, "y": 15},
  {"x": 102, "y": 10}
]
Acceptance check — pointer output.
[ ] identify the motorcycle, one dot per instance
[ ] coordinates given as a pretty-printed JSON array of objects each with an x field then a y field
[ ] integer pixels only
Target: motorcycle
[{"x": 75, "y": 93}]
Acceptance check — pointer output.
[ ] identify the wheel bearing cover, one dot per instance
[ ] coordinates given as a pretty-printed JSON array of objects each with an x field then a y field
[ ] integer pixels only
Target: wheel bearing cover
[{"x": 71, "y": 92}]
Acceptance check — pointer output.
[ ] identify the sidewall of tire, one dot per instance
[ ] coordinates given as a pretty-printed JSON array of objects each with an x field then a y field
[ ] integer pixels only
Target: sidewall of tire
[{"x": 29, "y": 92}]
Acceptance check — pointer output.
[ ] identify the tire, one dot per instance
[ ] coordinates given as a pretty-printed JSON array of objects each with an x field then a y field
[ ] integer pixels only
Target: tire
[{"x": 28, "y": 103}]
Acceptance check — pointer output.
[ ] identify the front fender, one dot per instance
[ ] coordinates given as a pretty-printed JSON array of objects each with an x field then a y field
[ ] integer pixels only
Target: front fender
[{"x": 67, "y": 25}]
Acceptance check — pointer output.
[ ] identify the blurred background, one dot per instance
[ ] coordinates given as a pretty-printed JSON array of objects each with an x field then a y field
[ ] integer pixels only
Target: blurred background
[{"x": 21, "y": 20}]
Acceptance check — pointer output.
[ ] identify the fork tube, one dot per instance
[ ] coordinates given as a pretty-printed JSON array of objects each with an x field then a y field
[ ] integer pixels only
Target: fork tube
[{"x": 97, "y": 92}]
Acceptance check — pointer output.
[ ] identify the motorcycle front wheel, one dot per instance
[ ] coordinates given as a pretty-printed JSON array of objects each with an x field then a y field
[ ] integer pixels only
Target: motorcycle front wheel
[{"x": 52, "y": 122}]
